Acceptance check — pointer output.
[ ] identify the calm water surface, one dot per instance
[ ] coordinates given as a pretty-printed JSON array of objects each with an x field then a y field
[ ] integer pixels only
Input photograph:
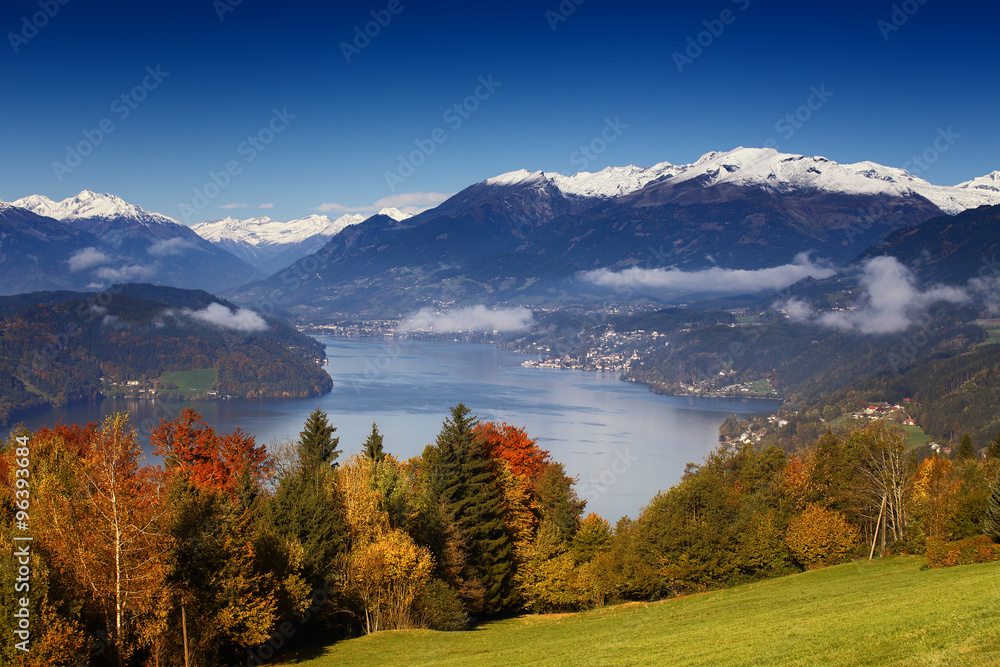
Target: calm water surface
[{"x": 623, "y": 442}]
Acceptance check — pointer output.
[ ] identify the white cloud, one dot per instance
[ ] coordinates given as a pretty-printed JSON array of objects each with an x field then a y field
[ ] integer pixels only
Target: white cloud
[
  {"x": 892, "y": 302},
  {"x": 242, "y": 319},
  {"x": 87, "y": 258},
  {"x": 233, "y": 206},
  {"x": 715, "y": 279},
  {"x": 407, "y": 202},
  {"x": 267, "y": 205},
  {"x": 474, "y": 318},
  {"x": 125, "y": 274},
  {"x": 174, "y": 246}
]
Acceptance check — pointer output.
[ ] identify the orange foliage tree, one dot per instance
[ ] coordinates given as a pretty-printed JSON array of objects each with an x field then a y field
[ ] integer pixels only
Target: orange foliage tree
[
  {"x": 512, "y": 444},
  {"x": 193, "y": 448}
]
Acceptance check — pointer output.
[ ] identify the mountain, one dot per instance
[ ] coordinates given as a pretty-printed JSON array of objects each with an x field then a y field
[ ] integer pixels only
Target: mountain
[
  {"x": 989, "y": 182},
  {"x": 134, "y": 244},
  {"x": 35, "y": 251},
  {"x": 948, "y": 249},
  {"x": 65, "y": 346},
  {"x": 524, "y": 237},
  {"x": 270, "y": 245}
]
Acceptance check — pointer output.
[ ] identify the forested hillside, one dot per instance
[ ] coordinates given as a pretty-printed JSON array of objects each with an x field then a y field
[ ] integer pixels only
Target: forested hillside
[{"x": 56, "y": 347}]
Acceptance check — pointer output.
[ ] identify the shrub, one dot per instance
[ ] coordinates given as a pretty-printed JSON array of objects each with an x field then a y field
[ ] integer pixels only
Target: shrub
[
  {"x": 820, "y": 536},
  {"x": 978, "y": 549},
  {"x": 439, "y": 607}
]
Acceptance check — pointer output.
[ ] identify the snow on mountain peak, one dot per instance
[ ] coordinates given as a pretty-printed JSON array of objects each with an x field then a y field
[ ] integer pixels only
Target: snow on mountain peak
[
  {"x": 990, "y": 182},
  {"x": 770, "y": 169},
  {"x": 89, "y": 204},
  {"x": 394, "y": 213}
]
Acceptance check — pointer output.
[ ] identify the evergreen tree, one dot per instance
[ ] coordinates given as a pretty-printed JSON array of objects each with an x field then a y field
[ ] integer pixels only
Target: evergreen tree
[
  {"x": 316, "y": 442},
  {"x": 473, "y": 503},
  {"x": 307, "y": 505},
  {"x": 993, "y": 451},
  {"x": 965, "y": 449},
  {"x": 991, "y": 525},
  {"x": 373, "y": 445}
]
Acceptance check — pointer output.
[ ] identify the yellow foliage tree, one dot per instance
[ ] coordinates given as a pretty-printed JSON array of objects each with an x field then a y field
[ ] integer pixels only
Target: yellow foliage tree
[
  {"x": 819, "y": 536},
  {"x": 935, "y": 496},
  {"x": 386, "y": 574}
]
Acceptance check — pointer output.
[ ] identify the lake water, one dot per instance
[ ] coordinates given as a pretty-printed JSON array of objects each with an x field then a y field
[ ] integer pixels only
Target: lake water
[{"x": 623, "y": 442}]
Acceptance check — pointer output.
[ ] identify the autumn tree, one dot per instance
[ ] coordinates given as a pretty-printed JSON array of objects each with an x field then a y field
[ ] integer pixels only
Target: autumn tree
[
  {"x": 192, "y": 448},
  {"x": 512, "y": 444},
  {"x": 819, "y": 536},
  {"x": 935, "y": 497},
  {"x": 109, "y": 522}
]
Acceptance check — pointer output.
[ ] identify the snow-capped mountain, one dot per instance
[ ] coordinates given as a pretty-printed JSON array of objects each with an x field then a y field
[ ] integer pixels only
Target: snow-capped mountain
[
  {"x": 763, "y": 168},
  {"x": 130, "y": 244},
  {"x": 271, "y": 245},
  {"x": 90, "y": 205},
  {"x": 989, "y": 182}
]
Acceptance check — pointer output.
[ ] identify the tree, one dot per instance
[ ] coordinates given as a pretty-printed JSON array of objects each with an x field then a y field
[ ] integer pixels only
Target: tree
[
  {"x": 316, "y": 442},
  {"x": 373, "y": 445},
  {"x": 513, "y": 445},
  {"x": 991, "y": 525},
  {"x": 936, "y": 496},
  {"x": 593, "y": 537},
  {"x": 819, "y": 536},
  {"x": 965, "y": 449},
  {"x": 473, "y": 503},
  {"x": 307, "y": 505},
  {"x": 886, "y": 471},
  {"x": 192, "y": 448},
  {"x": 108, "y": 521},
  {"x": 993, "y": 451}
]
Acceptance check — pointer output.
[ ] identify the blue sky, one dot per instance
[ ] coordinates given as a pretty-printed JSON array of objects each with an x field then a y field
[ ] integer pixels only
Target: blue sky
[{"x": 270, "y": 81}]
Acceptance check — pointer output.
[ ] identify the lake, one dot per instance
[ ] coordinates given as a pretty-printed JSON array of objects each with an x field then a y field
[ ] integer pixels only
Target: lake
[{"x": 623, "y": 442}]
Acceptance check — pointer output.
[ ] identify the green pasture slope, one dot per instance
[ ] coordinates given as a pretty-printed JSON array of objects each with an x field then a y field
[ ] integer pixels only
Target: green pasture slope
[
  {"x": 889, "y": 612},
  {"x": 190, "y": 383}
]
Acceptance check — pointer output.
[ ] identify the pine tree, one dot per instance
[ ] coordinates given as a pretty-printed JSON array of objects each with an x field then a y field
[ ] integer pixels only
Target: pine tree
[
  {"x": 316, "y": 442},
  {"x": 373, "y": 445},
  {"x": 307, "y": 505},
  {"x": 993, "y": 451},
  {"x": 965, "y": 449},
  {"x": 991, "y": 525},
  {"x": 473, "y": 502}
]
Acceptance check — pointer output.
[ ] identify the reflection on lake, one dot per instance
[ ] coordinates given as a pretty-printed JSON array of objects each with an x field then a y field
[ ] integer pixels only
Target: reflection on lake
[{"x": 624, "y": 442}]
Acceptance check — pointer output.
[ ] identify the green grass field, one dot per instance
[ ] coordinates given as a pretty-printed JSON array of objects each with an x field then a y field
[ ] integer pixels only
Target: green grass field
[
  {"x": 915, "y": 436},
  {"x": 888, "y": 612},
  {"x": 190, "y": 383}
]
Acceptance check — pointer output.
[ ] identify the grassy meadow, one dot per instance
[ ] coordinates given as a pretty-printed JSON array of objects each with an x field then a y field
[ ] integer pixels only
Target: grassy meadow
[{"x": 889, "y": 612}]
